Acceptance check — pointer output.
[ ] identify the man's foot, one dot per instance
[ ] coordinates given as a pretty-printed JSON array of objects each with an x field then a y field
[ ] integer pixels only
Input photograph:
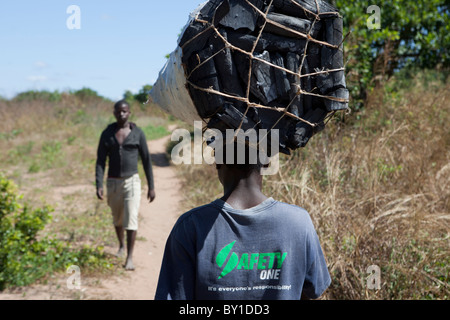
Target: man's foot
[
  {"x": 129, "y": 265},
  {"x": 120, "y": 253}
]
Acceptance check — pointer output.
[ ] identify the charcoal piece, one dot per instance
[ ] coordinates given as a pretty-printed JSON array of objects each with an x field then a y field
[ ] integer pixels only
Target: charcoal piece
[
  {"x": 205, "y": 77},
  {"x": 226, "y": 67},
  {"x": 281, "y": 80},
  {"x": 205, "y": 103},
  {"x": 303, "y": 131},
  {"x": 267, "y": 42},
  {"x": 242, "y": 65},
  {"x": 268, "y": 118},
  {"x": 204, "y": 70},
  {"x": 263, "y": 84},
  {"x": 283, "y": 44},
  {"x": 315, "y": 115},
  {"x": 333, "y": 31},
  {"x": 244, "y": 41},
  {"x": 307, "y": 86},
  {"x": 331, "y": 59},
  {"x": 313, "y": 55},
  {"x": 232, "y": 117},
  {"x": 333, "y": 105},
  {"x": 296, "y": 24},
  {"x": 296, "y": 106},
  {"x": 240, "y": 16},
  {"x": 327, "y": 82},
  {"x": 212, "y": 12},
  {"x": 216, "y": 123},
  {"x": 293, "y": 64},
  {"x": 298, "y": 10},
  {"x": 199, "y": 43}
]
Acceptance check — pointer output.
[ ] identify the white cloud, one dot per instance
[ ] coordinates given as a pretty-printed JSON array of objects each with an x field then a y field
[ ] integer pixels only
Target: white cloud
[
  {"x": 40, "y": 64},
  {"x": 37, "y": 78}
]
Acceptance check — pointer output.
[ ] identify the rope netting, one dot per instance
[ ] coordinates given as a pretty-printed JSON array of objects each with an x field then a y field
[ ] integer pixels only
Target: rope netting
[{"x": 299, "y": 90}]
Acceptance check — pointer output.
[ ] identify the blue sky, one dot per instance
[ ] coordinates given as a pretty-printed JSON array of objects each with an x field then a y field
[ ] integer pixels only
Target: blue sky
[{"x": 120, "y": 46}]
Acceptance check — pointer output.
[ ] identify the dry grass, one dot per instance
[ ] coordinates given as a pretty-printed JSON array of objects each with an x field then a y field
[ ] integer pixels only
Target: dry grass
[
  {"x": 377, "y": 186},
  {"x": 377, "y": 183}
]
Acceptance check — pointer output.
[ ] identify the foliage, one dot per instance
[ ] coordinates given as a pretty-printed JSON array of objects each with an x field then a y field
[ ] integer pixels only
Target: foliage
[
  {"x": 141, "y": 97},
  {"x": 26, "y": 257},
  {"x": 43, "y": 95},
  {"x": 412, "y": 34},
  {"x": 85, "y": 93}
]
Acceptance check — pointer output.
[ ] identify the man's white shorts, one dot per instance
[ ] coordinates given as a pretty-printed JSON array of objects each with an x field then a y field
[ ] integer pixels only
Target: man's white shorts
[{"x": 124, "y": 198}]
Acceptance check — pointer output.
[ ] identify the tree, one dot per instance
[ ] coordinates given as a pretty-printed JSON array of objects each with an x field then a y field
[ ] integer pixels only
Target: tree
[
  {"x": 142, "y": 95},
  {"x": 413, "y": 34}
]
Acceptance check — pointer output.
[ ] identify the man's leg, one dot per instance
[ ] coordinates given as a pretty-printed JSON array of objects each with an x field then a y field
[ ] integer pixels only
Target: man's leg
[
  {"x": 120, "y": 236},
  {"x": 132, "y": 202},
  {"x": 115, "y": 202},
  {"x": 131, "y": 238}
]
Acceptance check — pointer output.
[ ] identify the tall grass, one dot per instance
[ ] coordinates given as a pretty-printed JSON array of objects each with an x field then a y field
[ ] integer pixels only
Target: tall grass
[{"x": 377, "y": 186}]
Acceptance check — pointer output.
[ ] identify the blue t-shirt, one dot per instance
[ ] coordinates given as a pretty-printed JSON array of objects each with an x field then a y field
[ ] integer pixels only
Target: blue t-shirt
[{"x": 270, "y": 251}]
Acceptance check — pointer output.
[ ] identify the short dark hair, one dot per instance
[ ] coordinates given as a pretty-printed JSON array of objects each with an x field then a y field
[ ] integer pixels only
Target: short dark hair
[
  {"x": 121, "y": 103},
  {"x": 244, "y": 157}
]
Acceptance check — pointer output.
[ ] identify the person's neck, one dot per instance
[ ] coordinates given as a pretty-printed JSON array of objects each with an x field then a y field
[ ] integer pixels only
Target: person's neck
[
  {"x": 244, "y": 193},
  {"x": 124, "y": 125}
]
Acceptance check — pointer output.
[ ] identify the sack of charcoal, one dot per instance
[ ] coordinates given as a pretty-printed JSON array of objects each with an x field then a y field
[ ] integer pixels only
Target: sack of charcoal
[{"x": 258, "y": 64}]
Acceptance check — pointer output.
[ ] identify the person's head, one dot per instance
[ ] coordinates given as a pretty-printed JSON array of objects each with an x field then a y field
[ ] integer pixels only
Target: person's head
[
  {"x": 237, "y": 161},
  {"x": 122, "y": 111}
]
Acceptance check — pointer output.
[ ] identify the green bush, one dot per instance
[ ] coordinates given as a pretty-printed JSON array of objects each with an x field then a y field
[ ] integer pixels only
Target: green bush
[
  {"x": 412, "y": 34},
  {"x": 24, "y": 255},
  {"x": 43, "y": 95},
  {"x": 86, "y": 93}
]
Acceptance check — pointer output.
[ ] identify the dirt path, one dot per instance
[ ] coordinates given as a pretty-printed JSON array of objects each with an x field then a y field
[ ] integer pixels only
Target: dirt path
[{"x": 155, "y": 222}]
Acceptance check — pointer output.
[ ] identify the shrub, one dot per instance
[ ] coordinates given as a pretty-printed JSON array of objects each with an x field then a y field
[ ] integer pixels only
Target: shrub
[
  {"x": 43, "y": 95},
  {"x": 25, "y": 256}
]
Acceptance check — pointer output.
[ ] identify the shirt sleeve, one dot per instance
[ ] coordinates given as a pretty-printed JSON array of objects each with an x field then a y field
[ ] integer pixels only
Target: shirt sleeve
[
  {"x": 317, "y": 277},
  {"x": 177, "y": 276},
  {"x": 146, "y": 160},
  {"x": 102, "y": 153}
]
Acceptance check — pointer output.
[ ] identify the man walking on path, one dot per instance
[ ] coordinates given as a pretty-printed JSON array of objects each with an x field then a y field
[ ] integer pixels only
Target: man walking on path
[{"x": 122, "y": 143}]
